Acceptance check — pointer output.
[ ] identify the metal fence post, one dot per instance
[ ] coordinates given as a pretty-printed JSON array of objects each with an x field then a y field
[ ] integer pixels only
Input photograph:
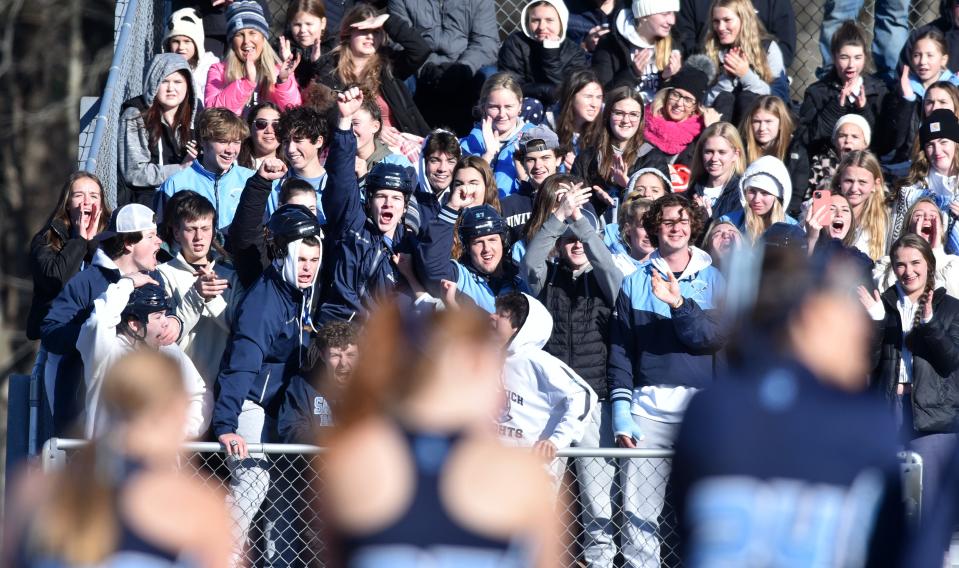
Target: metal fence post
[
  {"x": 911, "y": 468},
  {"x": 53, "y": 458}
]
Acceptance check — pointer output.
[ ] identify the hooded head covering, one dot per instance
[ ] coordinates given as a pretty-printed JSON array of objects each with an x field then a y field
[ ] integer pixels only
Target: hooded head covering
[
  {"x": 561, "y": 9},
  {"x": 186, "y": 22},
  {"x": 659, "y": 170},
  {"x": 287, "y": 268},
  {"x": 162, "y": 66},
  {"x": 535, "y": 331},
  {"x": 769, "y": 174},
  {"x": 287, "y": 264}
]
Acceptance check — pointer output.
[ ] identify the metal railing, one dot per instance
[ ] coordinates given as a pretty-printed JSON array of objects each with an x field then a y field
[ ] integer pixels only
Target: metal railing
[
  {"x": 271, "y": 497},
  {"x": 138, "y": 29}
]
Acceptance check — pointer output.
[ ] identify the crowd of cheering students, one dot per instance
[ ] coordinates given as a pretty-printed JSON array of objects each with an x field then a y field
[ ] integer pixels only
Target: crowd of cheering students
[{"x": 670, "y": 251}]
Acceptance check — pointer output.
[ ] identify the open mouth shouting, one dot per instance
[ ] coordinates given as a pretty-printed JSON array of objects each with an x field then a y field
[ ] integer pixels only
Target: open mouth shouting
[
  {"x": 386, "y": 218},
  {"x": 837, "y": 228}
]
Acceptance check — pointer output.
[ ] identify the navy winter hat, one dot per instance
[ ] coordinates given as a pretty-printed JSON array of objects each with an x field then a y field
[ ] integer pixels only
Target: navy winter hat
[
  {"x": 243, "y": 15},
  {"x": 941, "y": 123}
]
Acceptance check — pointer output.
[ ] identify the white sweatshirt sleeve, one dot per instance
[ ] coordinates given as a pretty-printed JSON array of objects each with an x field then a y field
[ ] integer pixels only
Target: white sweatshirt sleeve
[
  {"x": 570, "y": 395},
  {"x": 201, "y": 399},
  {"x": 99, "y": 345}
]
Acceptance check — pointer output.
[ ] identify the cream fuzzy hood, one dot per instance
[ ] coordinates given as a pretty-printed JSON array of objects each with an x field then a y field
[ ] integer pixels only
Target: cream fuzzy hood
[{"x": 561, "y": 9}]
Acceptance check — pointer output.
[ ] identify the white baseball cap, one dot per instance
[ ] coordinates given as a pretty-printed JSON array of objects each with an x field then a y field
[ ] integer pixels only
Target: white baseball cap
[{"x": 131, "y": 218}]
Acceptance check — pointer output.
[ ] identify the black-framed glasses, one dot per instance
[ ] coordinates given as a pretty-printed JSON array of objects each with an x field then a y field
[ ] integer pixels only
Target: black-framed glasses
[
  {"x": 632, "y": 116},
  {"x": 675, "y": 97},
  {"x": 262, "y": 123}
]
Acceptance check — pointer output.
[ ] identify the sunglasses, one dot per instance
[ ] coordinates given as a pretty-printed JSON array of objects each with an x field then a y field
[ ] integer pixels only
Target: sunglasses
[{"x": 262, "y": 123}]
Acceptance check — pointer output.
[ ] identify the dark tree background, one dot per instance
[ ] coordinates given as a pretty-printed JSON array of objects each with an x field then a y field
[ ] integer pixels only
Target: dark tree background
[{"x": 52, "y": 52}]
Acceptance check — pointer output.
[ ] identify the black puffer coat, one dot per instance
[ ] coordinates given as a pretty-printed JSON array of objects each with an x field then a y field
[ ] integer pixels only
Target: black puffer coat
[
  {"x": 935, "y": 361},
  {"x": 580, "y": 303},
  {"x": 540, "y": 70},
  {"x": 820, "y": 110},
  {"x": 580, "y": 324}
]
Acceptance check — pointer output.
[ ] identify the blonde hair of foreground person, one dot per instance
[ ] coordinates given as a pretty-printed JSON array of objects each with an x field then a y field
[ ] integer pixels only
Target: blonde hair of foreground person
[
  {"x": 440, "y": 374},
  {"x": 72, "y": 515}
]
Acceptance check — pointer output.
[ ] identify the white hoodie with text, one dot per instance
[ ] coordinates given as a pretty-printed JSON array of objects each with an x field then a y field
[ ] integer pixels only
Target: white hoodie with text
[{"x": 545, "y": 398}]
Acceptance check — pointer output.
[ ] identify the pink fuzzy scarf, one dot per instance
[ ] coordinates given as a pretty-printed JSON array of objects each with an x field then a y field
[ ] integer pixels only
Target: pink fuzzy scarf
[{"x": 669, "y": 136}]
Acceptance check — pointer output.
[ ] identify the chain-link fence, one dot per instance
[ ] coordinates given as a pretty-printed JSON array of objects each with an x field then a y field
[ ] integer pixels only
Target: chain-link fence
[
  {"x": 615, "y": 501},
  {"x": 137, "y": 32},
  {"x": 139, "y": 28},
  {"x": 808, "y": 15}
]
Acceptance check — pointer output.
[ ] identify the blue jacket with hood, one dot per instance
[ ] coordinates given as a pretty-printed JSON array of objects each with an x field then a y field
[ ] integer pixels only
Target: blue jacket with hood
[
  {"x": 503, "y": 166},
  {"x": 652, "y": 344},
  {"x": 436, "y": 265},
  {"x": 223, "y": 190},
  {"x": 60, "y": 331},
  {"x": 362, "y": 267},
  {"x": 268, "y": 343}
]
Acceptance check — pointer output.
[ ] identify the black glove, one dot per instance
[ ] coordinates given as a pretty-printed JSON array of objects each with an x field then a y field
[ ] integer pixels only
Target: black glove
[{"x": 432, "y": 73}]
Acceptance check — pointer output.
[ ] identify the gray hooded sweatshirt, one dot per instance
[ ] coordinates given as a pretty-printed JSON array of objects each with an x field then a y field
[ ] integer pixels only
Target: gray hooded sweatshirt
[{"x": 139, "y": 167}]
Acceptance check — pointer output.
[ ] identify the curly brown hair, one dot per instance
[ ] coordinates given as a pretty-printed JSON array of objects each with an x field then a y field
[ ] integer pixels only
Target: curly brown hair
[{"x": 653, "y": 218}]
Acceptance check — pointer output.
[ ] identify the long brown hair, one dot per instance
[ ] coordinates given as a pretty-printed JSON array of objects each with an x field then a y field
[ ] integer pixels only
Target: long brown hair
[
  {"x": 919, "y": 170},
  {"x": 369, "y": 79},
  {"x": 490, "y": 196},
  {"x": 914, "y": 241},
  {"x": 182, "y": 120},
  {"x": 78, "y": 521},
  {"x": 750, "y": 39},
  {"x": 850, "y": 237},
  {"x": 407, "y": 353},
  {"x": 776, "y": 107},
  {"x": 62, "y": 212},
  {"x": 605, "y": 141},
  {"x": 566, "y": 122},
  {"x": 546, "y": 202}
]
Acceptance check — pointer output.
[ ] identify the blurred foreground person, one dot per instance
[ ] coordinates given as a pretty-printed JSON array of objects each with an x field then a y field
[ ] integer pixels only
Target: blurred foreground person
[
  {"x": 414, "y": 475},
  {"x": 120, "y": 501},
  {"x": 834, "y": 498}
]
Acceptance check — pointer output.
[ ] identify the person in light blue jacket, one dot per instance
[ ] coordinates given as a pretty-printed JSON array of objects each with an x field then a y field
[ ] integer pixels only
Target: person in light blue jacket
[
  {"x": 664, "y": 346},
  {"x": 215, "y": 174},
  {"x": 484, "y": 270},
  {"x": 496, "y": 136}
]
